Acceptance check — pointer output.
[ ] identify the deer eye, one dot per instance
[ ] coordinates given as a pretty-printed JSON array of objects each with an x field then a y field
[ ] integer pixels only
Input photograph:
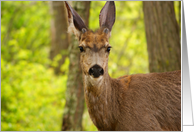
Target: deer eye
[
  {"x": 81, "y": 48},
  {"x": 108, "y": 49}
]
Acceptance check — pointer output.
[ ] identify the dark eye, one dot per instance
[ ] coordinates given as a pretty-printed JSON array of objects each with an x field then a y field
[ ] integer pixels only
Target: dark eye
[
  {"x": 108, "y": 49},
  {"x": 81, "y": 48}
]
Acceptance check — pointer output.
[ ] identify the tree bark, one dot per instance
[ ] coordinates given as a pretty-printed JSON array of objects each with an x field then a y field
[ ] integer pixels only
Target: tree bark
[
  {"x": 162, "y": 33},
  {"x": 59, "y": 35},
  {"x": 72, "y": 118}
]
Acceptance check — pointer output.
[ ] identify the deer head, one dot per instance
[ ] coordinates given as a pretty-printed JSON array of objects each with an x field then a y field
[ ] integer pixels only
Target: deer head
[{"x": 94, "y": 46}]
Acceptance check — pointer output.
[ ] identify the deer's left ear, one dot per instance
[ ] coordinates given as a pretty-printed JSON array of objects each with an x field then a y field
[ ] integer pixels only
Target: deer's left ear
[
  {"x": 107, "y": 15},
  {"x": 76, "y": 24}
]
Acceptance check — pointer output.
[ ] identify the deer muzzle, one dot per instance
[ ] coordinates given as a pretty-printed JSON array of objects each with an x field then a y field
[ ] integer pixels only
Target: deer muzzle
[{"x": 96, "y": 71}]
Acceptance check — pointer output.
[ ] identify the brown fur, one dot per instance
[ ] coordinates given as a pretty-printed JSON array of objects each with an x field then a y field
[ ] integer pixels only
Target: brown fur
[
  {"x": 141, "y": 102},
  {"x": 92, "y": 39}
]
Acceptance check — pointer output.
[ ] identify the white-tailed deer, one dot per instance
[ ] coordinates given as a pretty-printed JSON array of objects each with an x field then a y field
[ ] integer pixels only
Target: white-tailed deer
[{"x": 141, "y": 102}]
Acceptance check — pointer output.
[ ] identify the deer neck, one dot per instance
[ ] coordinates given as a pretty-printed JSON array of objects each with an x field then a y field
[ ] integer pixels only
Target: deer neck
[
  {"x": 99, "y": 100},
  {"x": 96, "y": 88}
]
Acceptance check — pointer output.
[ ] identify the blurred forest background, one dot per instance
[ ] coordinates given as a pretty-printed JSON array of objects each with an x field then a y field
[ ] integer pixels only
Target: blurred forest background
[{"x": 41, "y": 85}]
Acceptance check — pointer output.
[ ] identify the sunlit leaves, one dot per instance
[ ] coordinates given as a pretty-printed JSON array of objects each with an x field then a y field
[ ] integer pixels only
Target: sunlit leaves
[
  {"x": 32, "y": 97},
  {"x": 31, "y": 94},
  {"x": 26, "y": 24}
]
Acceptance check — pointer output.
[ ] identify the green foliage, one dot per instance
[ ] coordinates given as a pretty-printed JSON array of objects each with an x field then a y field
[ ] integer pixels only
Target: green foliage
[
  {"x": 32, "y": 97},
  {"x": 24, "y": 31},
  {"x": 177, "y": 9}
]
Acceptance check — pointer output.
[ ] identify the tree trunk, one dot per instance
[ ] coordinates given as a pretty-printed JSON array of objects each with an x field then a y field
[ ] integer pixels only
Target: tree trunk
[
  {"x": 72, "y": 118},
  {"x": 59, "y": 35},
  {"x": 162, "y": 33}
]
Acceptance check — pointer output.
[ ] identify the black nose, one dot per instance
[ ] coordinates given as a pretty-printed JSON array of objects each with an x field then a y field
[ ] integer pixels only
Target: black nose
[{"x": 96, "y": 71}]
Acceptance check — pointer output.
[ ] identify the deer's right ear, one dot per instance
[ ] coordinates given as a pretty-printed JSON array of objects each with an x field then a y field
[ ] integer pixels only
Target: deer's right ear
[{"x": 76, "y": 24}]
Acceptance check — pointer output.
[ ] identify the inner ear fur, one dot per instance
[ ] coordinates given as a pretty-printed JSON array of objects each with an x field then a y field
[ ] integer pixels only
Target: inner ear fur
[
  {"x": 76, "y": 24},
  {"x": 107, "y": 15}
]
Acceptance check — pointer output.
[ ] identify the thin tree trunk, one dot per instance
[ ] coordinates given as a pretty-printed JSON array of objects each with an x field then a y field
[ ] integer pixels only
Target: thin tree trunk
[
  {"x": 162, "y": 33},
  {"x": 60, "y": 39},
  {"x": 72, "y": 118}
]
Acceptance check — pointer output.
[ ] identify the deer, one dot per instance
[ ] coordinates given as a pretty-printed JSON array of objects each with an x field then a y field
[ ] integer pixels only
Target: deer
[{"x": 137, "y": 102}]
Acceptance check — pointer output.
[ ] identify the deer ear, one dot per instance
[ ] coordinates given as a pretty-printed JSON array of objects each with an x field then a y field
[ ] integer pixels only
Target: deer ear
[
  {"x": 76, "y": 24},
  {"x": 107, "y": 15}
]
